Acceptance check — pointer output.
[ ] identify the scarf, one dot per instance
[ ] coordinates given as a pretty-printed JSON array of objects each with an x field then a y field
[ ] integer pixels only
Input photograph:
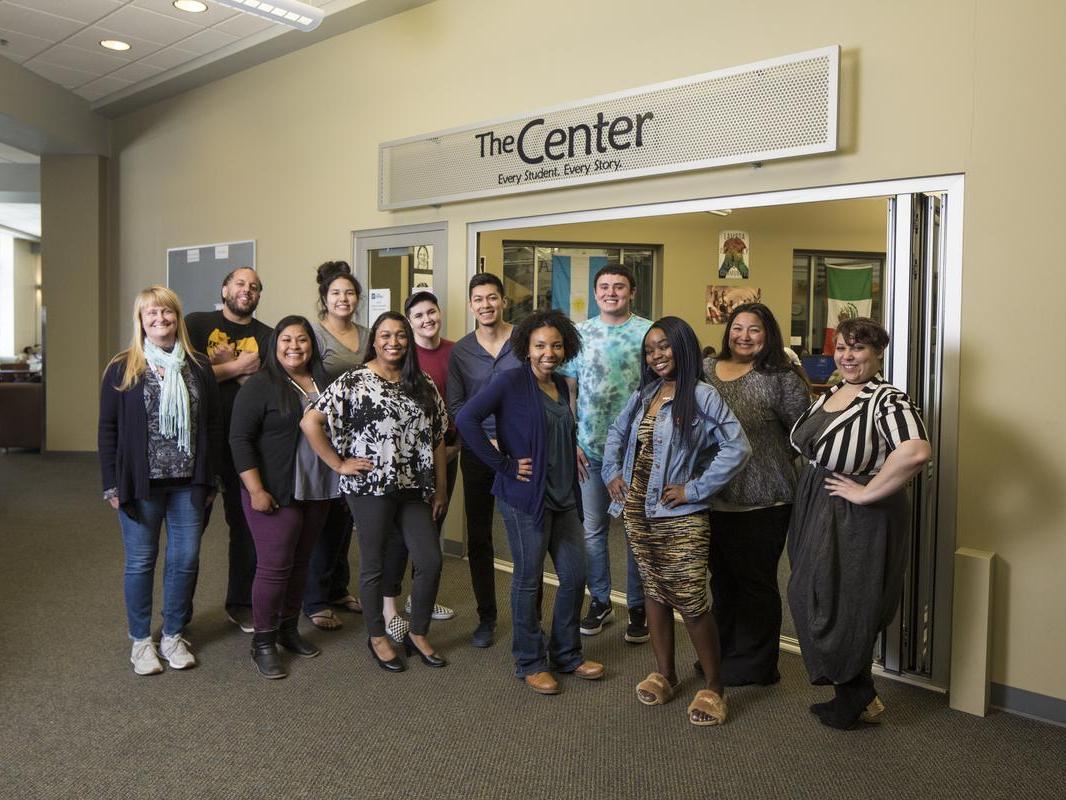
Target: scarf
[{"x": 174, "y": 395}]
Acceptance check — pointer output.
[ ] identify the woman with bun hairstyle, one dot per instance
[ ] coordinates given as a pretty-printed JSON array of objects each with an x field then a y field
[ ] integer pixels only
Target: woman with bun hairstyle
[
  {"x": 286, "y": 489},
  {"x": 341, "y": 343},
  {"x": 159, "y": 434}
]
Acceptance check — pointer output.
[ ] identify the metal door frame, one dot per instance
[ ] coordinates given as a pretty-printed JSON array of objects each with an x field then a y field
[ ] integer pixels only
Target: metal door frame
[{"x": 434, "y": 233}]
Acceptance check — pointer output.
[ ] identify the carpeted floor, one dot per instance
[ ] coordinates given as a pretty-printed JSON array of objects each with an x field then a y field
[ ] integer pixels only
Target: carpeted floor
[{"x": 75, "y": 722}]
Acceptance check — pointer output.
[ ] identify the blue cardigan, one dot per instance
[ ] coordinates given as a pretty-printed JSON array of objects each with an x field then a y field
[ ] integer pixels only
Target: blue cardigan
[{"x": 521, "y": 431}]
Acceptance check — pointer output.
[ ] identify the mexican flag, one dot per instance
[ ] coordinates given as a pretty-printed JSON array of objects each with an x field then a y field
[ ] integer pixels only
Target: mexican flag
[{"x": 849, "y": 294}]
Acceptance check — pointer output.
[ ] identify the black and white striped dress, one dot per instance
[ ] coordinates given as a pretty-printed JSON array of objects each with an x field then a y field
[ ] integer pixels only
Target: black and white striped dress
[{"x": 848, "y": 560}]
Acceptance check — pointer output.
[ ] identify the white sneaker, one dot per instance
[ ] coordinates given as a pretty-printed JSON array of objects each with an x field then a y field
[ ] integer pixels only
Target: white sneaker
[
  {"x": 439, "y": 611},
  {"x": 144, "y": 658},
  {"x": 176, "y": 652}
]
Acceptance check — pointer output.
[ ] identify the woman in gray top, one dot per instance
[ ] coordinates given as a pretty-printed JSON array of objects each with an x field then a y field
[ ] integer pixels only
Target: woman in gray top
[
  {"x": 749, "y": 517},
  {"x": 342, "y": 342}
]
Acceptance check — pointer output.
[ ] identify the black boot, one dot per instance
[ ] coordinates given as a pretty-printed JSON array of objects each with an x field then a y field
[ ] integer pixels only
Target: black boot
[
  {"x": 265, "y": 654},
  {"x": 289, "y": 637}
]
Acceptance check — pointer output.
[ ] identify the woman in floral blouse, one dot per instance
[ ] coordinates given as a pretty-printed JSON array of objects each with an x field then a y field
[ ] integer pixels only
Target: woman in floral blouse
[{"x": 381, "y": 428}]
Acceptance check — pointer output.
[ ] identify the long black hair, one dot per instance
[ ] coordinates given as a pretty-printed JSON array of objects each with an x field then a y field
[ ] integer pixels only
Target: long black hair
[
  {"x": 284, "y": 393},
  {"x": 413, "y": 381},
  {"x": 772, "y": 357},
  {"x": 688, "y": 371}
]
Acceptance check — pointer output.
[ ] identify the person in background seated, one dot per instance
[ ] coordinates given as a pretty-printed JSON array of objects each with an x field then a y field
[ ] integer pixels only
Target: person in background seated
[
  {"x": 386, "y": 426},
  {"x": 535, "y": 464},
  {"x": 342, "y": 343},
  {"x": 233, "y": 340},
  {"x": 673, "y": 447},
  {"x": 287, "y": 489},
  {"x": 159, "y": 434}
]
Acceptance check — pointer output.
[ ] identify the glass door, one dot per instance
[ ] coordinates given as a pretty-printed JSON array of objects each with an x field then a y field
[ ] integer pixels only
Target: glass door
[{"x": 394, "y": 263}]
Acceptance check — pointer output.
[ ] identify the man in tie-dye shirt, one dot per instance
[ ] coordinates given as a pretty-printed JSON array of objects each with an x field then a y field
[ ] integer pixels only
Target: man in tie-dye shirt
[{"x": 601, "y": 379}]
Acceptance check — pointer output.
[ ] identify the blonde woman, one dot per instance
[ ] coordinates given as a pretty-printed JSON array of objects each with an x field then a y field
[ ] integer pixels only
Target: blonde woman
[{"x": 159, "y": 436}]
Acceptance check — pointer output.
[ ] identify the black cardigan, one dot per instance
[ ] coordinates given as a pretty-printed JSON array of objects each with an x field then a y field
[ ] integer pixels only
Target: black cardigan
[
  {"x": 262, "y": 437},
  {"x": 122, "y": 435}
]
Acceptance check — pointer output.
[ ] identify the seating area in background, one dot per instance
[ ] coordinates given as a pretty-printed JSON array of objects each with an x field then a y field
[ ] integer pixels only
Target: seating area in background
[{"x": 21, "y": 407}]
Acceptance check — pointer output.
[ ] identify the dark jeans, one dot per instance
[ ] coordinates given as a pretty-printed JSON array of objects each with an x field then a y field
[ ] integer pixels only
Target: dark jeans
[
  {"x": 745, "y": 550},
  {"x": 328, "y": 573},
  {"x": 284, "y": 539},
  {"x": 480, "y": 503},
  {"x": 559, "y": 533},
  {"x": 404, "y": 514},
  {"x": 140, "y": 541},
  {"x": 241, "y": 546},
  {"x": 396, "y": 552}
]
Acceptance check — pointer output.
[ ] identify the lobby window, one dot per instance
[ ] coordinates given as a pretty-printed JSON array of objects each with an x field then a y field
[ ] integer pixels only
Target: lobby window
[
  {"x": 811, "y": 292},
  {"x": 542, "y": 275}
]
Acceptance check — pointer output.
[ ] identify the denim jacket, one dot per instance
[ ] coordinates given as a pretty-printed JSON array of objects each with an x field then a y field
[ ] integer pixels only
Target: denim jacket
[{"x": 719, "y": 451}]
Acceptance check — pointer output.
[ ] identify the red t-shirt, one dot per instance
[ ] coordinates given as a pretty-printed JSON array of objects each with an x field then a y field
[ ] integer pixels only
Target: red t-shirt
[{"x": 435, "y": 362}]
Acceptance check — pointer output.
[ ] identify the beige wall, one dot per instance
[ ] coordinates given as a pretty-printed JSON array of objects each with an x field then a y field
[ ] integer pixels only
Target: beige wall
[
  {"x": 285, "y": 153},
  {"x": 690, "y": 242},
  {"x": 26, "y": 277},
  {"x": 73, "y": 266}
]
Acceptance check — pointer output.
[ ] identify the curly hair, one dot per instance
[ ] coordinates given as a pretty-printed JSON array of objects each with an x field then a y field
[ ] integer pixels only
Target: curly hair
[
  {"x": 545, "y": 319},
  {"x": 864, "y": 331}
]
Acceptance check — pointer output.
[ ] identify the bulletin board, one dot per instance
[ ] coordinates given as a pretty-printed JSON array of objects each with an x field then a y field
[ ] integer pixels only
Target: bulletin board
[{"x": 195, "y": 273}]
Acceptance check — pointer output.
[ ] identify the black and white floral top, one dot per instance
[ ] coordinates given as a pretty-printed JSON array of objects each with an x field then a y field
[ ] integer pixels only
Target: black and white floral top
[{"x": 370, "y": 417}]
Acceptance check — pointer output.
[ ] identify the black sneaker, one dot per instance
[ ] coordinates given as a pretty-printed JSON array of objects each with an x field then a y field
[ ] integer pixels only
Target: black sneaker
[
  {"x": 241, "y": 616},
  {"x": 637, "y": 630},
  {"x": 596, "y": 618},
  {"x": 484, "y": 634}
]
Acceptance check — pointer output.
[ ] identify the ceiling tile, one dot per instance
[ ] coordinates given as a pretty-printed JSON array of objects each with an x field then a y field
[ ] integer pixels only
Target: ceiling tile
[
  {"x": 36, "y": 23},
  {"x": 169, "y": 58},
  {"x": 243, "y": 25},
  {"x": 102, "y": 87},
  {"x": 207, "y": 41},
  {"x": 80, "y": 10},
  {"x": 138, "y": 71},
  {"x": 63, "y": 55},
  {"x": 90, "y": 38},
  {"x": 21, "y": 46},
  {"x": 149, "y": 25},
  {"x": 67, "y": 78},
  {"x": 215, "y": 12}
]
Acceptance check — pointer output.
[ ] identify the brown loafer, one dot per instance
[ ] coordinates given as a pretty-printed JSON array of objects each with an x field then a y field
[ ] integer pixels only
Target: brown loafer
[
  {"x": 542, "y": 683},
  {"x": 589, "y": 670}
]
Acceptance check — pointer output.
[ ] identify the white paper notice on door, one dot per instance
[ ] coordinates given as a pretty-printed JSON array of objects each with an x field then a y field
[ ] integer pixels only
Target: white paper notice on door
[
  {"x": 380, "y": 302},
  {"x": 192, "y": 255}
]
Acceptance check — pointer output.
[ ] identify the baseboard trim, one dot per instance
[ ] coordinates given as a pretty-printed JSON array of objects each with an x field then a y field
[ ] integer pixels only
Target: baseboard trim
[
  {"x": 1029, "y": 704},
  {"x": 453, "y": 547}
]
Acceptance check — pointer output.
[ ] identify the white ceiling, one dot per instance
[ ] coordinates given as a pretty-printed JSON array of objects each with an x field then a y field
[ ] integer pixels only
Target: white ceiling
[
  {"x": 24, "y": 218},
  {"x": 11, "y": 155},
  {"x": 59, "y": 39}
]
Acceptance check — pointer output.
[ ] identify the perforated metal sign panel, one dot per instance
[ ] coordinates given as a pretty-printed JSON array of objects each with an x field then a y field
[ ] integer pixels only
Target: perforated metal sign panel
[{"x": 772, "y": 109}]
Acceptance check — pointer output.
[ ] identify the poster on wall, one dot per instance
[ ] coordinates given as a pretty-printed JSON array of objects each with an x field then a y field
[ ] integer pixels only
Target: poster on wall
[
  {"x": 721, "y": 300},
  {"x": 734, "y": 255}
]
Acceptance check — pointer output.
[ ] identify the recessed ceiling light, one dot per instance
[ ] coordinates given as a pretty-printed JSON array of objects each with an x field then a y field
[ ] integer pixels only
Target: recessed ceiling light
[
  {"x": 115, "y": 44},
  {"x": 192, "y": 6}
]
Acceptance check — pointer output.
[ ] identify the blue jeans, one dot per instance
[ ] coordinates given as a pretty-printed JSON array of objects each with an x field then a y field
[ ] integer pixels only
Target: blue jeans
[
  {"x": 594, "y": 501},
  {"x": 140, "y": 539},
  {"x": 560, "y": 535}
]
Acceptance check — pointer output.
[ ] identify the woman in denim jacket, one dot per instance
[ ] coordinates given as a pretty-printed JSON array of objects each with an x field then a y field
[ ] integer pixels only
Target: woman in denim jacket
[{"x": 675, "y": 444}]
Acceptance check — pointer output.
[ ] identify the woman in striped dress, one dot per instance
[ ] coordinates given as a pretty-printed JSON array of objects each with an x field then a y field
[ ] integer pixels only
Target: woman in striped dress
[{"x": 847, "y": 541}]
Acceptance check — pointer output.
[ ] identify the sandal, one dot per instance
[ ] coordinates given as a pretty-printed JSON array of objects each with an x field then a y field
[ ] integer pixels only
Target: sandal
[
  {"x": 655, "y": 690},
  {"x": 325, "y": 620},
  {"x": 709, "y": 703},
  {"x": 348, "y": 603}
]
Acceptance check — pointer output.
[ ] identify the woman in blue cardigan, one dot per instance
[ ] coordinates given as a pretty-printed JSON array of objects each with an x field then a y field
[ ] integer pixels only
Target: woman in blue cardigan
[
  {"x": 159, "y": 437},
  {"x": 537, "y": 489}
]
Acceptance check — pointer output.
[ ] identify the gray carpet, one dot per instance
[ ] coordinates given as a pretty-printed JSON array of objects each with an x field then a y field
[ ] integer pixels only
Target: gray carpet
[{"x": 75, "y": 722}]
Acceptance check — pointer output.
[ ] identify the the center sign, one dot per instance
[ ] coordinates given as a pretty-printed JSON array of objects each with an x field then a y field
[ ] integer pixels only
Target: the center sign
[{"x": 773, "y": 109}]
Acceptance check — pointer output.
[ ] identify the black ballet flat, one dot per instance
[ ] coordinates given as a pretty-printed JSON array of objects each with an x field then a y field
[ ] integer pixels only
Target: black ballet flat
[
  {"x": 432, "y": 660},
  {"x": 392, "y": 665}
]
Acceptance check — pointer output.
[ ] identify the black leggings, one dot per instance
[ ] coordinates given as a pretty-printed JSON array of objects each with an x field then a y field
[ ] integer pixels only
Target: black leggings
[{"x": 377, "y": 518}]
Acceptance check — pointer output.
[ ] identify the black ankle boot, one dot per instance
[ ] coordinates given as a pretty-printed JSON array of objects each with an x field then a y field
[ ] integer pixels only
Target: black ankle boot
[
  {"x": 265, "y": 654},
  {"x": 289, "y": 637}
]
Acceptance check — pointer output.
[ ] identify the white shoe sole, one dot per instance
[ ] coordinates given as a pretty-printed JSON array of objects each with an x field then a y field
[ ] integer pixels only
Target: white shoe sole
[
  {"x": 154, "y": 669},
  {"x": 172, "y": 665},
  {"x": 594, "y": 631},
  {"x": 632, "y": 639}
]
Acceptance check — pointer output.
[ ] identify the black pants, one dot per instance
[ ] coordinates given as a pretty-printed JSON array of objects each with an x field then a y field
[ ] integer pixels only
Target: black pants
[
  {"x": 745, "y": 550},
  {"x": 396, "y": 554},
  {"x": 404, "y": 514},
  {"x": 329, "y": 572},
  {"x": 241, "y": 546},
  {"x": 480, "y": 505}
]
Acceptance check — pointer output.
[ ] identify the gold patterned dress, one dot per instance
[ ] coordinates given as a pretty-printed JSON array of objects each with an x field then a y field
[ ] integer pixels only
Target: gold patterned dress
[{"x": 671, "y": 552}]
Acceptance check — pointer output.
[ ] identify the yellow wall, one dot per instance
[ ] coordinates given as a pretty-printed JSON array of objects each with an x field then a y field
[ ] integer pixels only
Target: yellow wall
[
  {"x": 690, "y": 243},
  {"x": 285, "y": 153}
]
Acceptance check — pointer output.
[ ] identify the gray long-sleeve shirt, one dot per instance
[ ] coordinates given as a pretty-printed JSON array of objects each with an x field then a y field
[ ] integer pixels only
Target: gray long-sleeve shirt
[{"x": 469, "y": 369}]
